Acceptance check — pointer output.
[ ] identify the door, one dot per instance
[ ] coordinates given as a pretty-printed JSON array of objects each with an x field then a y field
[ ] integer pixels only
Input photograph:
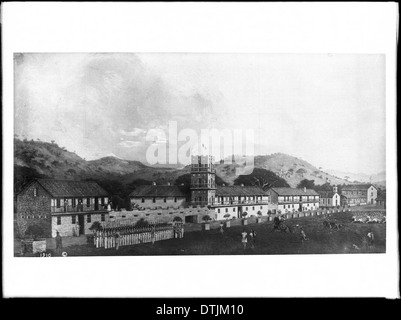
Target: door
[
  {"x": 96, "y": 203},
  {"x": 239, "y": 212},
  {"x": 81, "y": 221}
]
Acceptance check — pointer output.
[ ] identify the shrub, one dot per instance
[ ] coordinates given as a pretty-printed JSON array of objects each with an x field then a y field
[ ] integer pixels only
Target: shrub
[
  {"x": 227, "y": 215},
  {"x": 259, "y": 213},
  {"x": 206, "y": 218},
  {"x": 96, "y": 225},
  {"x": 35, "y": 231},
  {"x": 142, "y": 223},
  {"x": 244, "y": 214},
  {"x": 177, "y": 219}
]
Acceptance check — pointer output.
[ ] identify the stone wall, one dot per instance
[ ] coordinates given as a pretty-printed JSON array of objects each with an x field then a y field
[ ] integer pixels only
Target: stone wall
[
  {"x": 160, "y": 215},
  {"x": 33, "y": 210},
  {"x": 69, "y": 229}
]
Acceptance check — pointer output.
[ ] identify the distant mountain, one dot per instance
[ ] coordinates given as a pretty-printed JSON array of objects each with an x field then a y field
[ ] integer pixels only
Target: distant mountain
[{"x": 378, "y": 178}]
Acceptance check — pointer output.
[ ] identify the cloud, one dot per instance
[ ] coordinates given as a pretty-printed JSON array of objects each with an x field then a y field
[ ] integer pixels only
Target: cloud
[
  {"x": 129, "y": 144},
  {"x": 135, "y": 132}
]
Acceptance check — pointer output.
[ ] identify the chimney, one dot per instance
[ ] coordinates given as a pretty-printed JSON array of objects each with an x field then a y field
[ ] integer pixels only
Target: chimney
[
  {"x": 154, "y": 183},
  {"x": 305, "y": 189}
]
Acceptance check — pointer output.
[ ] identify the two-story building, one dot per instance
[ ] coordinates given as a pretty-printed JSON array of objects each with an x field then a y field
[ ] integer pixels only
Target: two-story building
[
  {"x": 292, "y": 199},
  {"x": 156, "y": 196},
  {"x": 234, "y": 201},
  {"x": 69, "y": 207},
  {"x": 359, "y": 194}
]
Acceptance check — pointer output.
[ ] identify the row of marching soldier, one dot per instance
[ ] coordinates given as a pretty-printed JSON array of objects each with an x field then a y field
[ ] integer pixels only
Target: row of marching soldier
[{"x": 130, "y": 235}]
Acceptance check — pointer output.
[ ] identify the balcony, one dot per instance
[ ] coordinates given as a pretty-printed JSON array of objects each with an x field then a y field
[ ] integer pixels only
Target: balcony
[
  {"x": 243, "y": 202},
  {"x": 78, "y": 208}
]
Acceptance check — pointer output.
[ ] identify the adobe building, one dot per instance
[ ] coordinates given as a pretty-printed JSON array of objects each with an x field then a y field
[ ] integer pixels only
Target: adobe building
[
  {"x": 69, "y": 207},
  {"x": 291, "y": 199},
  {"x": 202, "y": 198},
  {"x": 330, "y": 199},
  {"x": 359, "y": 194}
]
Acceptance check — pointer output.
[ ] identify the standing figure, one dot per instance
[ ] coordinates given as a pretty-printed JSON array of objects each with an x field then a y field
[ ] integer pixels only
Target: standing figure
[
  {"x": 303, "y": 235},
  {"x": 59, "y": 244},
  {"x": 244, "y": 238},
  {"x": 253, "y": 236},
  {"x": 221, "y": 228},
  {"x": 371, "y": 239},
  {"x": 117, "y": 240}
]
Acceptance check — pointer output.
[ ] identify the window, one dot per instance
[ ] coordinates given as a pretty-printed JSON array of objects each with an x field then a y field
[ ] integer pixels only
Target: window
[
  {"x": 261, "y": 207},
  {"x": 284, "y": 206},
  {"x": 58, "y": 221},
  {"x": 165, "y": 199},
  {"x": 102, "y": 201},
  {"x": 246, "y": 209},
  {"x": 175, "y": 199},
  {"x": 88, "y": 218},
  {"x": 233, "y": 209},
  {"x": 154, "y": 199},
  {"x": 143, "y": 200},
  {"x": 74, "y": 219},
  {"x": 88, "y": 202},
  {"x": 253, "y": 208},
  {"x": 218, "y": 210},
  {"x": 74, "y": 202},
  {"x": 102, "y": 217},
  {"x": 35, "y": 192},
  {"x": 226, "y": 209},
  {"x": 58, "y": 203}
]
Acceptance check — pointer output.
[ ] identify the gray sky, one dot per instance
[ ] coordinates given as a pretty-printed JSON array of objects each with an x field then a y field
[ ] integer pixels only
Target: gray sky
[{"x": 327, "y": 109}]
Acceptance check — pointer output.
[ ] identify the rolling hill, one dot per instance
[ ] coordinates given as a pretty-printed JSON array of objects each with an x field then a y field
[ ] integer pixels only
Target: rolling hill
[{"x": 44, "y": 159}]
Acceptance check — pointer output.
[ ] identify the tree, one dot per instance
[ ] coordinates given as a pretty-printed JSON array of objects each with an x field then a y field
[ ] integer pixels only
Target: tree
[
  {"x": 244, "y": 214},
  {"x": 35, "y": 231},
  {"x": 96, "y": 225},
  {"x": 262, "y": 178},
  {"x": 142, "y": 223},
  {"x": 177, "y": 219},
  {"x": 301, "y": 172},
  {"x": 308, "y": 184},
  {"x": 227, "y": 215},
  {"x": 206, "y": 218}
]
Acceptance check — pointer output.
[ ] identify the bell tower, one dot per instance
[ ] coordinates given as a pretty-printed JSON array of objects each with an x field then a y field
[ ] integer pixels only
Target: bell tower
[
  {"x": 335, "y": 190},
  {"x": 203, "y": 180}
]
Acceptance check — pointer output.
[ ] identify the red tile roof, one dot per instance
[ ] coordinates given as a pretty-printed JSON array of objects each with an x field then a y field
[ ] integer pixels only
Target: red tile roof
[
  {"x": 158, "y": 191},
  {"x": 69, "y": 188},
  {"x": 294, "y": 192},
  {"x": 357, "y": 187},
  {"x": 222, "y": 191}
]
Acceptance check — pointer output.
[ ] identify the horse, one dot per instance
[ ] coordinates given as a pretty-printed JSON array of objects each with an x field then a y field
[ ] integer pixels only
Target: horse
[{"x": 282, "y": 227}]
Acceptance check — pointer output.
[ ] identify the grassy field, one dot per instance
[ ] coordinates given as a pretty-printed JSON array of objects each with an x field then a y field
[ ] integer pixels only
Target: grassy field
[{"x": 350, "y": 239}]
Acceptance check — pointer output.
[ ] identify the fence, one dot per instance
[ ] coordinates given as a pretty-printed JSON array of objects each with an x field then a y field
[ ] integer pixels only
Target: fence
[{"x": 128, "y": 235}]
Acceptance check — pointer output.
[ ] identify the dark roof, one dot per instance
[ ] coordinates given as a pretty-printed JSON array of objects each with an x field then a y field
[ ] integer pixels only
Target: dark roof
[
  {"x": 294, "y": 192},
  {"x": 357, "y": 187},
  {"x": 240, "y": 191},
  {"x": 158, "y": 191},
  {"x": 69, "y": 188},
  {"x": 326, "y": 194}
]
